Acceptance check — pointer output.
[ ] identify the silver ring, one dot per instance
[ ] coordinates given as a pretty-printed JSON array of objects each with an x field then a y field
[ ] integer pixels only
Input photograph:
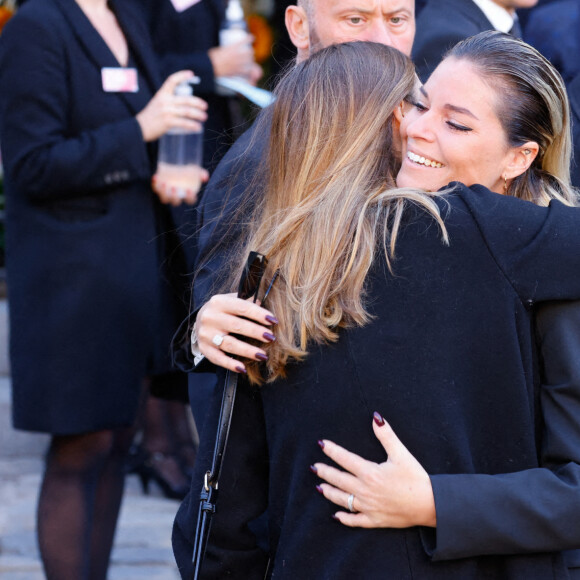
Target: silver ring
[
  {"x": 350, "y": 503},
  {"x": 218, "y": 339}
]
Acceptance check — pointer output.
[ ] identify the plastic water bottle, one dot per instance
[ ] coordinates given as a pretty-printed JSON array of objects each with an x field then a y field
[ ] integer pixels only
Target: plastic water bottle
[
  {"x": 181, "y": 153},
  {"x": 234, "y": 29}
]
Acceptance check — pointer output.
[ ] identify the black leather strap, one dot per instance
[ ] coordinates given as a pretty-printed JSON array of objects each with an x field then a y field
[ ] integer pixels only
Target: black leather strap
[{"x": 209, "y": 491}]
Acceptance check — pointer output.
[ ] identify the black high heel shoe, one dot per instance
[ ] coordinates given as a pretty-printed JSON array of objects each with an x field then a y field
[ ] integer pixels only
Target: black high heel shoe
[{"x": 149, "y": 467}]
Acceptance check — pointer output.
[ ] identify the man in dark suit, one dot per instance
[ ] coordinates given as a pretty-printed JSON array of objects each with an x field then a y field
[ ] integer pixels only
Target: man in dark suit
[
  {"x": 443, "y": 23},
  {"x": 311, "y": 24},
  {"x": 574, "y": 96},
  {"x": 554, "y": 30}
]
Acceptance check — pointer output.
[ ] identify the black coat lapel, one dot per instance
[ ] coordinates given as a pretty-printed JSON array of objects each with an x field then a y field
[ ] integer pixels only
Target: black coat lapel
[
  {"x": 139, "y": 40},
  {"x": 97, "y": 50}
]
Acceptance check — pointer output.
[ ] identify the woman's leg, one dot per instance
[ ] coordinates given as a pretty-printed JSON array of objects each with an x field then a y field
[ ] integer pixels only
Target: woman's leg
[
  {"x": 108, "y": 498},
  {"x": 185, "y": 435},
  {"x": 81, "y": 491},
  {"x": 162, "y": 464}
]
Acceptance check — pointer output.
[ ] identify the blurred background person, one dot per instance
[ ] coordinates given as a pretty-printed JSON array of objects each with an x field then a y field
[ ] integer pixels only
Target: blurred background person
[
  {"x": 185, "y": 35},
  {"x": 443, "y": 23},
  {"x": 554, "y": 29},
  {"x": 80, "y": 111}
]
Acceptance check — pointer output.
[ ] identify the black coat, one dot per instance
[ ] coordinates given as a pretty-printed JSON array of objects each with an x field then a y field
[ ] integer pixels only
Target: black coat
[
  {"x": 449, "y": 361},
  {"x": 440, "y": 26},
  {"x": 83, "y": 251},
  {"x": 574, "y": 96}
]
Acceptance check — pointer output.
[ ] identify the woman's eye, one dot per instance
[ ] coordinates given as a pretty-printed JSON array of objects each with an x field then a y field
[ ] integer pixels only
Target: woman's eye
[
  {"x": 458, "y": 127},
  {"x": 419, "y": 106}
]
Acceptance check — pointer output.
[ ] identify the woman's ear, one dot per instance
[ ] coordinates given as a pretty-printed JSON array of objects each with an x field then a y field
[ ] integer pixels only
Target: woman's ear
[
  {"x": 298, "y": 30},
  {"x": 520, "y": 159},
  {"x": 399, "y": 113}
]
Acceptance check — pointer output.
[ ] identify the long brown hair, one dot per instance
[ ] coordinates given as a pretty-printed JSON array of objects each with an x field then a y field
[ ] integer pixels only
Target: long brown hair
[{"x": 329, "y": 198}]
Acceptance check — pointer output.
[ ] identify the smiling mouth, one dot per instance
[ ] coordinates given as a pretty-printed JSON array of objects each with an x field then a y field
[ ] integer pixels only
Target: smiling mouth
[{"x": 420, "y": 160}]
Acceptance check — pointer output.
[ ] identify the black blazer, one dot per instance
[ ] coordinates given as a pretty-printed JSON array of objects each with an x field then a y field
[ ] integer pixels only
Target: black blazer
[
  {"x": 554, "y": 30},
  {"x": 574, "y": 96},
  {"x": 449, "y": 361},
  {"x": 440, "y": 26},
  {"x": 83, "y": 252}
]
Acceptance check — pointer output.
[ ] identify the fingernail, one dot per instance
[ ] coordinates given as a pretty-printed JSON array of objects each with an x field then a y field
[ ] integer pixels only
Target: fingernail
[
  {"x": 319, "y": 490},
  {"x": 321, "y": 443},
  {"x": 272, "y": 319},
  {"x": 242, "y": 370},
  {"x": 269, "y": 337},
  {"x": 378, "y": 419},
  {"x": 313, "y": 469},
  {"x": 335, "y": 518},
  {"x": 261, "y": 356}
]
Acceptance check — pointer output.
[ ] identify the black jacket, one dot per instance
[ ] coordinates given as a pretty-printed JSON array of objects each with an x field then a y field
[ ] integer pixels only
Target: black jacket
[
  {"x": 440, "y": 26},
  {"x": 449, "y": 360}
]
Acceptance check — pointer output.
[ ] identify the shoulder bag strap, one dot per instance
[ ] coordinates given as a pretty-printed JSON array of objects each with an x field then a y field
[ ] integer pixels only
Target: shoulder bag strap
[{"x": 209, "y": 491}]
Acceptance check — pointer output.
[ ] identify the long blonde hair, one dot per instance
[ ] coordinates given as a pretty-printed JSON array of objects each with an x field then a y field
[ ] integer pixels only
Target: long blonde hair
[{"x": 329, "y": 199}]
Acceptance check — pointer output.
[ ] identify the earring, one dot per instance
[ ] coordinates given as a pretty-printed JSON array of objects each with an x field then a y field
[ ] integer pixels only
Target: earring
[
  {"x": 505, "y": 185},
  {"x": 527, "y": 151}
]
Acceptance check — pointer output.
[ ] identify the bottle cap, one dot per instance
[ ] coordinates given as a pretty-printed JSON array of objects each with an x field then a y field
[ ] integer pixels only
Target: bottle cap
[
  {"x": 234, "y": 10},
  {"x": 185, "y": 88}
]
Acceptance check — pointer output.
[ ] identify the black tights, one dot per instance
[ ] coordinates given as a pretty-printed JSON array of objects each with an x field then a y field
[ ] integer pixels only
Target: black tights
[{"x": 79, "y": 503}]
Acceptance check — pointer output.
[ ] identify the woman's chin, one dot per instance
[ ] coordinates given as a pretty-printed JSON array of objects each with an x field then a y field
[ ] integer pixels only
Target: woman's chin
[{"x": 406, "y": 180}]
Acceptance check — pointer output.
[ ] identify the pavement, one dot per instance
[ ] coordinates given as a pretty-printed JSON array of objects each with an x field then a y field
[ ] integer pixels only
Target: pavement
[{"x": 142, "y": 549}]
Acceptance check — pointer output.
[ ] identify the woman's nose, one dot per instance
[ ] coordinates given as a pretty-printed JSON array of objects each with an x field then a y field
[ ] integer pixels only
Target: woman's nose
[{"x": 418, "y": 125}]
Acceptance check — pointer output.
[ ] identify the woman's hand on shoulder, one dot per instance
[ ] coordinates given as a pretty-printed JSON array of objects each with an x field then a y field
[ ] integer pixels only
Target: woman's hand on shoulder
[
  {"x": 167, "y": 111},
  {"x": 393, "y": 494},
  {"x": 224, "y": 316}
]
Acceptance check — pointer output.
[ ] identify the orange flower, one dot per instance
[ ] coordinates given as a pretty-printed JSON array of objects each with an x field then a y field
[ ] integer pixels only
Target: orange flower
[
  {"x": 263, "y": 37},
  {"x": 5, "y": 14}
]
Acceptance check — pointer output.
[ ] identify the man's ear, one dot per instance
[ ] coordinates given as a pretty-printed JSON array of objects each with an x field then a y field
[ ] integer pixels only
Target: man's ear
[
  {"x": 520, "y": 159},
  {"x": 298, "y": 30}
]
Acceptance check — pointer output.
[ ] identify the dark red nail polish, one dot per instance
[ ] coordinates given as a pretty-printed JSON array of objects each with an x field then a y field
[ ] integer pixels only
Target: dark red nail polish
[
  {"x": 272, "y": 319},
  {"x": 269, "y": 337},
  {"x": 242, "y": 370},
  {"x": 319, "y": 490},
  {"x": 378, "y": 419},
  {"x": 313, "y": 469},
  {"x": 261, "y": 356},
  {"x": 321, "y": 443}
]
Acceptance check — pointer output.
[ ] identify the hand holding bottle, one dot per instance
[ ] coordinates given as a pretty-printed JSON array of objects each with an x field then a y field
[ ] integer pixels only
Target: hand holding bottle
[
  {"x": 236, "y": 60},
  {"x": 235, "y": 37},
  {"x": 167, "y": 110},
  {"x": 179, "y": 165}
]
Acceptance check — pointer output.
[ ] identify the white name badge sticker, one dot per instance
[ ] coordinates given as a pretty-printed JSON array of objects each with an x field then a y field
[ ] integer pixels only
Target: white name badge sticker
[
  {"x": 119, "y": 80},
  {"x": 181, "y": 5}
]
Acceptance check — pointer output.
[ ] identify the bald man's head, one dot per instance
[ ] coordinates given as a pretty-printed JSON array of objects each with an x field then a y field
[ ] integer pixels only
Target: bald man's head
[{"x": 314, "y": 24}]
